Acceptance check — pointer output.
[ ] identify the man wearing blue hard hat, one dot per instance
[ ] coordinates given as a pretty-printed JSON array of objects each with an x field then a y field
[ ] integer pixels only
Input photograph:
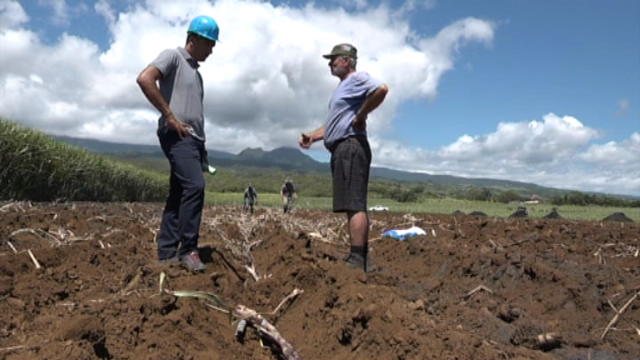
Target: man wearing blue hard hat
[{"x": 173, "y": 85}]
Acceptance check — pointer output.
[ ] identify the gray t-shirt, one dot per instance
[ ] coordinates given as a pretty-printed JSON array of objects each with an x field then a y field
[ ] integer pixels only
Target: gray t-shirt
[
  {"x": 181, "y": 87},
  {"x": 344, "y": 105}
]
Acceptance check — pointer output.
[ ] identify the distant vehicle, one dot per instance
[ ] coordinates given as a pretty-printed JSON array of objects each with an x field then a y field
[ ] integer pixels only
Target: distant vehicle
[{"x": 379, "y": 208}]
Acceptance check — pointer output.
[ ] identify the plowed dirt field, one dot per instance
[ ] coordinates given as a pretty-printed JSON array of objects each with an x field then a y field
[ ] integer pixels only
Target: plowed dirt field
[{"x": 472, "y": 288}]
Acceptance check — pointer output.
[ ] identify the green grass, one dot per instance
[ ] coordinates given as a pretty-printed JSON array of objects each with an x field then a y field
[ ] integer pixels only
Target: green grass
[
  {"x": 36, "y": 167},
  {"x": 437, "y": 206},
  {"x": 448, "y": 206},
  {"x": 268, "y": 200}
]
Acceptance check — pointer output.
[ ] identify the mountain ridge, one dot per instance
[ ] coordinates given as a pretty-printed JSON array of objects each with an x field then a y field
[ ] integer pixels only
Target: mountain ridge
[{"x": 292, "y": 159}]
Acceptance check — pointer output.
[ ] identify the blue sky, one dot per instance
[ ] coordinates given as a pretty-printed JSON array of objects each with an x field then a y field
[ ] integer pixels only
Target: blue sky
[
  {"x": 568, "y": 57},
  {"x": 537, "y": 91}
]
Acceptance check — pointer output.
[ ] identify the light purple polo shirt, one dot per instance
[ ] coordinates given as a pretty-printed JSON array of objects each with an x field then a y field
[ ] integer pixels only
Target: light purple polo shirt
[{"x": 344, "y": 104}]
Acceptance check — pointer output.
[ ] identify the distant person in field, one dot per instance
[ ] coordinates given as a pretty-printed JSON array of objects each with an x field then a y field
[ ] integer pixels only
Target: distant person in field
[
  {"x": 345, "y": 136},
  {"x": 173, "y": 85},
  {"x": 288, "y": 194},
  {"x": 250, "y": 198}
]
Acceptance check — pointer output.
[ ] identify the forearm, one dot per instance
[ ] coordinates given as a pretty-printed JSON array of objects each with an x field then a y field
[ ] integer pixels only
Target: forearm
[
  {"x": 373, "y": 101},
  {"x": 317, "y": 134}
]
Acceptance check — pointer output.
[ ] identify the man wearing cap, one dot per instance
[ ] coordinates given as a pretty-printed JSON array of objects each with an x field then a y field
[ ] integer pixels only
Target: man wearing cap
[
  {"x": 173, "y": 85},
  {"x": 345, "y": 136}
]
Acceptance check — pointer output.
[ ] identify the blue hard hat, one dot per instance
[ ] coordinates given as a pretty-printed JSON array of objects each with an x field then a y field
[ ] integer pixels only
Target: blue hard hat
[{"x": 204, "y": 26}]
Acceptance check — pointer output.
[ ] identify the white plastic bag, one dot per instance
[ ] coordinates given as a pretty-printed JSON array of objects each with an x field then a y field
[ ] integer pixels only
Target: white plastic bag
[{"x": 403, "y": 234}]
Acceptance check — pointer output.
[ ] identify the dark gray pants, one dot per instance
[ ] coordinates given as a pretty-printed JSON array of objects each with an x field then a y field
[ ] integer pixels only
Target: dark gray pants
[{"x": 180, "y": 225}]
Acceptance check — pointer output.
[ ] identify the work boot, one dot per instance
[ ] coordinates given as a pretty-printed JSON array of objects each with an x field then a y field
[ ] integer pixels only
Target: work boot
[
  {"x": 192, "y": 261},
  {"x": 356, "y": 261}
]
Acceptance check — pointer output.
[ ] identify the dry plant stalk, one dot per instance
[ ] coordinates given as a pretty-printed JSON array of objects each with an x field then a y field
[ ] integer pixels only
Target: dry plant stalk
[
  {"x": 98, "y": 217},
  {"x": 7, "y": 207},
  {"x": 410, "y": 218},
  {"x": 264, "y": 327},
  {"x": 207, "y": 296},
  {"x": 319, "y": 237},
  {"x": 22, "y": 231},
  {"x": 33, "y": 258},
  {"x": 38, "y": 233},
  {"x": 133, "y": 283},
  {"x": 115, "y": 231},
  {"x": 218, "y": 308},
  {"x": 329, "y": 230},
  {"x": 15, "y": 206},
  {"x": 12, "y": 247},
  {"x": 476, "y": 289},
  {"x": 241, "y": 247},
  {"x": 548, "y": 340},
  {"x": 11, "y": 348},
  {"x": 615, "y": 319},
  {"x": 246, "y": 315},
  {"x": 251, "y": 269},
  {"x": 291, "y": 296}
]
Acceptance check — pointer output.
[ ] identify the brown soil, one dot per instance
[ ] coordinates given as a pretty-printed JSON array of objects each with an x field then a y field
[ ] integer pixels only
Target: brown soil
[{"x": 96, "y": 295}]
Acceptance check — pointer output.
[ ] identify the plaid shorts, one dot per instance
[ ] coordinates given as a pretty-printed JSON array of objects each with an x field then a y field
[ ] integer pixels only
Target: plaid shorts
[{"x": 350, "y": 163}]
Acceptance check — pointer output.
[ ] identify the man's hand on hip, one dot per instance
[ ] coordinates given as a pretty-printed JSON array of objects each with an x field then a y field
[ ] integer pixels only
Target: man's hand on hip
[{"x": 178, "y": 126}]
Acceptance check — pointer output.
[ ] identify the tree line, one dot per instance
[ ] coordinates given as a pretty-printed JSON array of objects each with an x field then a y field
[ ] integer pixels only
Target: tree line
[
  {"x": 568, "y": 198},
  {"x": 579, "y": 198},
  {"x": 319, "y": 185}
]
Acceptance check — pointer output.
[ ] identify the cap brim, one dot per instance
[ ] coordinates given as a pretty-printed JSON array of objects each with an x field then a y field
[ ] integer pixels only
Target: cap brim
[{"x": 328, "y": 56}]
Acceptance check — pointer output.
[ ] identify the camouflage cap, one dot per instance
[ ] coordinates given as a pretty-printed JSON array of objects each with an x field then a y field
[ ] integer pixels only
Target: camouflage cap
[{"x": 342, "y": 50}]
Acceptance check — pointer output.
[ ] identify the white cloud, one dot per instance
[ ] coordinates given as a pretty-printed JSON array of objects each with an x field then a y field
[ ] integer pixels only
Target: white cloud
[
  {"x": 584, "y": 179},
  {"x": 623, "y": 154},
  {"x": 525, "y": 143},
  {"x": 11, "y": 14},
  {"x": 264, "y": 83},
  {"x": 553, "y": 152},
  {"x": 440, "y": 51}
]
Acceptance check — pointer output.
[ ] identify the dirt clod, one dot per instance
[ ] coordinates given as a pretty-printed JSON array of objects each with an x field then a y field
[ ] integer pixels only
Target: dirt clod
[{"x": 618, "y": 216}]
